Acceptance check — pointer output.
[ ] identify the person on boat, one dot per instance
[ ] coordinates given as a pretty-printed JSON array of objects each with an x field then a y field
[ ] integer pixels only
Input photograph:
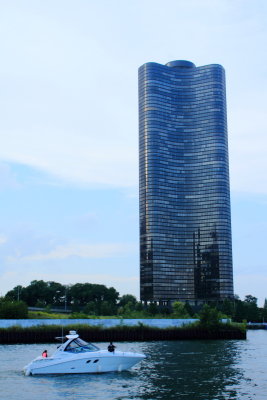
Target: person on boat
[
  {"x": 111, "y": 347},
  {"x": 44, "y": 354}
]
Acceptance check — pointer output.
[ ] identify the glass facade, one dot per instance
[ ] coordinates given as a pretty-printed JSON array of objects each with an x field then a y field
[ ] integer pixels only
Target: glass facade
[{"x": 185, "y": 220}]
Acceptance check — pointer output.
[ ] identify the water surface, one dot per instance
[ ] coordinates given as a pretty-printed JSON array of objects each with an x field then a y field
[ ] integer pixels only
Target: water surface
[{"x": 206, "y": 370}]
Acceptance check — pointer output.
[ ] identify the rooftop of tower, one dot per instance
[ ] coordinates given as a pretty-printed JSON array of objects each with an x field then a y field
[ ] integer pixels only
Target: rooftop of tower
[{"x": 180, "y": 64}]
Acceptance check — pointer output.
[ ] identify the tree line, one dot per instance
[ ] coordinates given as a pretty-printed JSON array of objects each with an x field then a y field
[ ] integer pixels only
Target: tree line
[
  {"x": 95, "y": 300},
  {"x": 244, "y": 310}
]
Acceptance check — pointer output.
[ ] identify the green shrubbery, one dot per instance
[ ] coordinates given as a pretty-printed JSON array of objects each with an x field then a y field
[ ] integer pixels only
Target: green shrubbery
[
  {"x": 13, "y": 309},
  {"x": 180, "y": 310},
  {"x": 209, "y": 317}
]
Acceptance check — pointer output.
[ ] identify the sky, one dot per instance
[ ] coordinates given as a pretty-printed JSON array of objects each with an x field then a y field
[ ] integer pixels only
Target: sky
[{"x": 69, "y": 132}]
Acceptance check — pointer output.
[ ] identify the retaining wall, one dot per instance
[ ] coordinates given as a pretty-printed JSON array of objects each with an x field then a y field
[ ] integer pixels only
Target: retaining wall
[{"x": 105, "y": 323}]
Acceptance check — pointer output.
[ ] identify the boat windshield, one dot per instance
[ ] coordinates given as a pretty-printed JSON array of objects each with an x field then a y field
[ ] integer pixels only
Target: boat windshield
[{"x": 80, "y": 346}]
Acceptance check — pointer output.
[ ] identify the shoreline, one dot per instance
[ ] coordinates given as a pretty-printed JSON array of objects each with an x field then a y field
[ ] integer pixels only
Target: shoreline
[{"x": 47, "y": 334}]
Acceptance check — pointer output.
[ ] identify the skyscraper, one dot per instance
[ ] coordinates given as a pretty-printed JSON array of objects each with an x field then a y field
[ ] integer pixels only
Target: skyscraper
[{"x": 185, "y": 220}]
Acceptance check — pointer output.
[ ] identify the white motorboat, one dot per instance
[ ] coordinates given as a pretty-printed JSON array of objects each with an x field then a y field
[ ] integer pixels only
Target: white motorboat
[{"x": 75, "y": 356}]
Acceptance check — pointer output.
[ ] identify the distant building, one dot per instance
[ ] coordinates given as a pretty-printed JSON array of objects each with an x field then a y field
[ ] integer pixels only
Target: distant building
[{"x": 185, "y": 221}]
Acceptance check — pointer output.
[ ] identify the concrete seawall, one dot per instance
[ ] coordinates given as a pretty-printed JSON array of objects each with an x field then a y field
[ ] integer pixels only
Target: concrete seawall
[{"x": 105, "y": 323}]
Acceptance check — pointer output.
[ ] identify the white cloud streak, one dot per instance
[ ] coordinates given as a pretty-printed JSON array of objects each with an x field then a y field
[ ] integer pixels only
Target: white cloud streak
[{"x": 91, "y": 251}]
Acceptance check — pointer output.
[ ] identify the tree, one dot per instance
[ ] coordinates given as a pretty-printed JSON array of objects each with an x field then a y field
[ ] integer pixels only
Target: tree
[
  {"x": 264, "y": 312},
  {"x": 240, "y": 313},
  {"x": 127, "y": 298},
  {"x": 179, "y": 310},
  {"x": 228, "y": 307},
  {"x": 16, "y": 294},
  {"x": 250, "y": 299},
  {"x": 252, "y": 311},
  {"x": 43, "y": 294},
  {"x": 209, "y": 316},
  {"x": 152, "y": 309},
  {"x": 83, "y": 293},
  {"x": 107, "y": 308},
  {"x": 139, "y": 306},
  {"x": 189, "y": 309},
  {"x": 39, "y": 293},
  {"x": 111, "y": 295},
  {"x": 127, "y": 304},
  {"x": 13, "y": 309},
  {"x": 35, "y": 293},
  {"x": 90, "y": 308},
  {"x": 55, "y": 293}
]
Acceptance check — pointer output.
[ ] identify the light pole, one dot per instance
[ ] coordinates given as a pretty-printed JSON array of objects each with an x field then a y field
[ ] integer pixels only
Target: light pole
[
  {"x": 57, "y": 297},
  {"x": 19, "y": 287},
  {"x": 66, "y": 298}
]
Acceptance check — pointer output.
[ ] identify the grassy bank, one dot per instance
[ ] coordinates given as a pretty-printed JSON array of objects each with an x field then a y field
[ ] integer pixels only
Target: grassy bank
[{"x": 47, "y": 334}]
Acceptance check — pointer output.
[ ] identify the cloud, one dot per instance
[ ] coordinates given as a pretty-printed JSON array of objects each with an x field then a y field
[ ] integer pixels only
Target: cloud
[
  {"x": 82, "y": 250},
  {"x": 74, "y": 118},
  {"x": 3, "y": 239},
  {"x": 72, "y": 156},
  {"x": 74, "y": 96},
  {"x": 7, "y": 177},
  {"x": 94, "y": 278}
]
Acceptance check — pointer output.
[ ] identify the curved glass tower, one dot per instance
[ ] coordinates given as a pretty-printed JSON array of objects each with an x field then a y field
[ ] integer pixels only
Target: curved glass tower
[{"x": 185, "y": 221}]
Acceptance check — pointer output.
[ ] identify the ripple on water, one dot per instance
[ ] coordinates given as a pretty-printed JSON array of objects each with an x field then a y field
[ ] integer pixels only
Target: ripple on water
[{"x": 199, "y": 370}]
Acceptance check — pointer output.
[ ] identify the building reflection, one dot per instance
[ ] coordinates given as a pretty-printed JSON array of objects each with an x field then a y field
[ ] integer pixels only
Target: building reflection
[{"x": 195, "y": 370}]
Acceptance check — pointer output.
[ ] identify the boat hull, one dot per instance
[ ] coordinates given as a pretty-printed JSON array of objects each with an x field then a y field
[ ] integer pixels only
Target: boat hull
[{"x": 85, "y": 364}]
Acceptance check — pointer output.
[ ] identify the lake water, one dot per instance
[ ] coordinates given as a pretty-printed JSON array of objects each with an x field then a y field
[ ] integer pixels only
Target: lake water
[{"x": 194, "y": 370}]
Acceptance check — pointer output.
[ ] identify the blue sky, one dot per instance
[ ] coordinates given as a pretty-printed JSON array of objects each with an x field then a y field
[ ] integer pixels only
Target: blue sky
[{"x": 69, "y": 131}]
